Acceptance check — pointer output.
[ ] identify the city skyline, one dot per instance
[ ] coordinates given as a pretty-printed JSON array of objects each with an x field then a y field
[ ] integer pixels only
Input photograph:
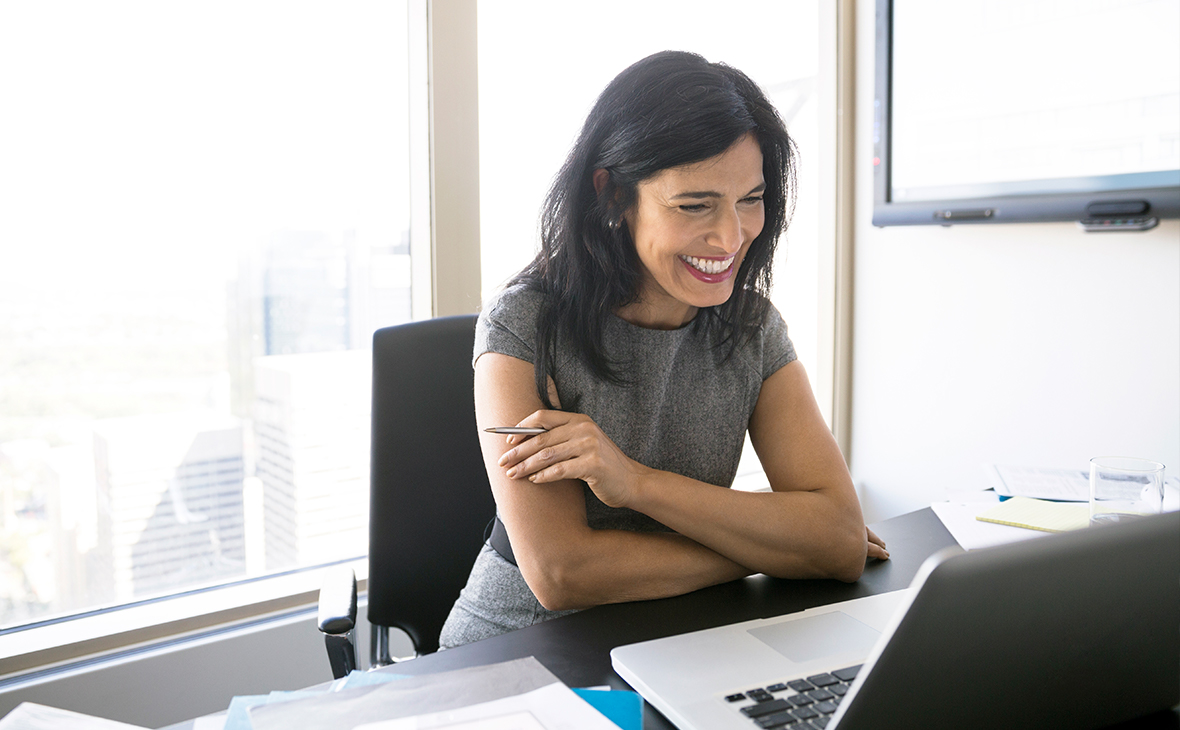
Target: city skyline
[{"x": 85, "y": 496}]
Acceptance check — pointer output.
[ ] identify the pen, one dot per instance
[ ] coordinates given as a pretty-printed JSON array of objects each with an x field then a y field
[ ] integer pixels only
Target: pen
[{"x": 516, "y": 429}]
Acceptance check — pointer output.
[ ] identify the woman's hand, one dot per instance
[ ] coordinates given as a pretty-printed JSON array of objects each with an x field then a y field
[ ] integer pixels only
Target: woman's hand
[
  {"x": 876, "y": 546},
  {"x": 574, "y": 447}
]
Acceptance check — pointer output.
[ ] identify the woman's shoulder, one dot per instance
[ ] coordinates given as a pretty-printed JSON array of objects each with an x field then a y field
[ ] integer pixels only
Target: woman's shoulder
[
  {"x": 772, "y": 325},
  {"x": 759, "y": 319},
  {"x": 766, "y": 345},
  {"x": 513, "y": 306},
  {"x": 508, "y": 322}
]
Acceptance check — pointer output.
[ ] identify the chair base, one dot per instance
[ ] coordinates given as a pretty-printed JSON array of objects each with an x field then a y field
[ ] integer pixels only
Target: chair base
[
  {"x": 341, "y": 654},
  {"x": 379, "y": 647}
]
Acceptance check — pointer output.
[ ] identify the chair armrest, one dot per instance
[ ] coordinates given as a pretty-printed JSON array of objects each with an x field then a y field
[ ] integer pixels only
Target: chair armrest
[
  {"x": 337, "y": 608},
  {"x": 337, "y": 618}
]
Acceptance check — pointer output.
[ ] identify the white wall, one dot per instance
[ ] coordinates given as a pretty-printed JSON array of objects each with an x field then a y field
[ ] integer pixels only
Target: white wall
[{"x": 1034, "y": 344}]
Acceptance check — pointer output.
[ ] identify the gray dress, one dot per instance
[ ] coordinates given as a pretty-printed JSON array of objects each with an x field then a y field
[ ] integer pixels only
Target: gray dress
[{"x": 682, "y": 411}]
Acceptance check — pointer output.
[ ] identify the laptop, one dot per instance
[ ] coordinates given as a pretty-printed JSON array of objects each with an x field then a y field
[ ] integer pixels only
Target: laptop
[{"x": 1073, "y": 630}]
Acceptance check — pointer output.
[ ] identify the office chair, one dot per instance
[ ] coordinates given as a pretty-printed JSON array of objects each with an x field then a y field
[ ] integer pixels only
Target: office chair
[{"x": 429, "y": 497}]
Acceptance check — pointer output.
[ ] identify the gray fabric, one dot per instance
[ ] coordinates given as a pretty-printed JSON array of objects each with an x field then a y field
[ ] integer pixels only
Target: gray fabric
[{"x": 682, "y": 412}]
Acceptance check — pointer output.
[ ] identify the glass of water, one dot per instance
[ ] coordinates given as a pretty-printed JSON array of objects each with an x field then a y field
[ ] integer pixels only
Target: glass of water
[{"x": 1123, "y": 488}]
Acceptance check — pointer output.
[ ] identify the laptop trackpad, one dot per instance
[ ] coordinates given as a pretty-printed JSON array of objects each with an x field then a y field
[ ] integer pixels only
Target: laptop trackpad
[{"x": 815, "y": 637}]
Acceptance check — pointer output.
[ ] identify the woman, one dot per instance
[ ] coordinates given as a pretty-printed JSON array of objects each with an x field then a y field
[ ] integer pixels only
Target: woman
[{"x": 642, "y": 340}]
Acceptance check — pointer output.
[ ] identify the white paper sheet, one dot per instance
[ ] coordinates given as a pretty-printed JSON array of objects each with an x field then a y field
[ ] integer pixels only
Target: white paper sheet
[
  {"x": 959, "y": 519},
  {"x": 553, "y": 707},
  {"x": 1066, "y": 485},
  {"x": 409, "y": 697},
  {"x": 31, "y": 716}
]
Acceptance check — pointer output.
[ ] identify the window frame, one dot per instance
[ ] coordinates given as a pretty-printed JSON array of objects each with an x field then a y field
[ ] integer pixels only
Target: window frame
[{"x": 437, "y": 29}]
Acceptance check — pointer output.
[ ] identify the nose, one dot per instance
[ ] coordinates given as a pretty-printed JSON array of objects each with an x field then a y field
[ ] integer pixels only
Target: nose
[{"x": 726, "y": 231}]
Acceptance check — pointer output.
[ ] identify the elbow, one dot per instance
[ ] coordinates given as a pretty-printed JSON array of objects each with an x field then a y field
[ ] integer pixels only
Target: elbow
[
  {"x": 850, "y": 572},
  {"x": 847, "y": 548},
  {"x": 849, "y": 555},
  {"x": 551, "y": 596},
  {"x": 842, "y": 562},
  {"x": 840, "y": 557},
  {"x": 556, "y": 601},
  {"x": 556, "y": 586}
]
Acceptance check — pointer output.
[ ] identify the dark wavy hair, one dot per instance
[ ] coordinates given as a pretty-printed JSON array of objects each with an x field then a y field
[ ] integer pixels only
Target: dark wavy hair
[{"x": 667, "y": 110}]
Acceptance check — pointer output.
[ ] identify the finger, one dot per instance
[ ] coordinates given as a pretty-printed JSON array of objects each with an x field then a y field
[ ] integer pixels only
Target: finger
[
  {"x": 876, "y": 552},
  {"x": 541, "y": 459},
  {"x": 555, "y": 473},
  {"x": 527, "y": 448},
  {"x": 519, "y": 438},
  {"x": 874, "y": 539},
  {"x": 547, "y": 419},
  {"x": 530, "y": 423}
]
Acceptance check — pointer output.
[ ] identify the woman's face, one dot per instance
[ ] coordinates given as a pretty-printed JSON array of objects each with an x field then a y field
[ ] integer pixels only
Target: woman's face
[{"x": 692, "y": 226}]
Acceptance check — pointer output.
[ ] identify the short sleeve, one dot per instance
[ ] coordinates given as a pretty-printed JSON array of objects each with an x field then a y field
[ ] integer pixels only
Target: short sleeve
[
  {"x": 508, "y": 324},
  {"x": 777, "y": 348}
]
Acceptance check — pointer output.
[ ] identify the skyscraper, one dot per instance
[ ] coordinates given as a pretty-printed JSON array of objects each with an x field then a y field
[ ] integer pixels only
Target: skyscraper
[
  {"x": 301, "y": 317},
  {"x": 312, "y": 429},
  {"x": 170, "y": 500}
]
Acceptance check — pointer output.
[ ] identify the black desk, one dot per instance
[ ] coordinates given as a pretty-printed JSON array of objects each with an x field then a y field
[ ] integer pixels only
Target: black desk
[{"x": 576, "y": 648}]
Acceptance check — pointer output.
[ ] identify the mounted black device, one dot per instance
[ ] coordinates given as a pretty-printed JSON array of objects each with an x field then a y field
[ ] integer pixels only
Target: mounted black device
[{"x": 1008, "y": 112}]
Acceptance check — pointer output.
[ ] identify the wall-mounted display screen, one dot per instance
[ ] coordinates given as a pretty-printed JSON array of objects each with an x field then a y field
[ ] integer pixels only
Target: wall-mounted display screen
[{"x": 1027, "y": 110}]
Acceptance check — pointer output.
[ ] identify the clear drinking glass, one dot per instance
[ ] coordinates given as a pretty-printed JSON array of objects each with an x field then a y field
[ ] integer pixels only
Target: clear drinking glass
[{"x": 1123, "y": 488}]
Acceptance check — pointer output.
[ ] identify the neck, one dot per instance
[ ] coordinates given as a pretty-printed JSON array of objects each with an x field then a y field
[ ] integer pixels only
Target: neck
[{"x": 646, "y": 314}]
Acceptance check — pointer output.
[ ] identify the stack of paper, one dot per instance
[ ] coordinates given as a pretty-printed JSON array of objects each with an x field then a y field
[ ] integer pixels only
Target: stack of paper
[
  {"x": 516, "y": 695},
  {"x": 958, "y": 516},
  {"x": 521, "y": 693},
  {"x": 31, "y": 716},
  {"x": 1063, "y": 485},
  {"x": 1058, "y": 484}
]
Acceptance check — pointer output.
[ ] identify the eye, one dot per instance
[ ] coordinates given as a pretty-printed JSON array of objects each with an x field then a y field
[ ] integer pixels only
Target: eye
[
  {"x": 752, "y": 200},
  {"x": 694, "y": 208}
]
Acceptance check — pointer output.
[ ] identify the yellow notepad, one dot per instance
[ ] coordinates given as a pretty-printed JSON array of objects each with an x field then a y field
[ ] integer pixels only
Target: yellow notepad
[{"x": 1038, "y": 514}]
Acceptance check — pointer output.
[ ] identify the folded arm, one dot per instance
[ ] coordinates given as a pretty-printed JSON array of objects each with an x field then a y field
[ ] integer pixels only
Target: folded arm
[
  {"x": 810, "y": 526},
  {"x": 565, "y": 562}
]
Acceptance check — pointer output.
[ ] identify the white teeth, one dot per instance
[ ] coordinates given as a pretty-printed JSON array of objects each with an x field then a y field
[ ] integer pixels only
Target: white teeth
[{"x": 708, "y": 266}]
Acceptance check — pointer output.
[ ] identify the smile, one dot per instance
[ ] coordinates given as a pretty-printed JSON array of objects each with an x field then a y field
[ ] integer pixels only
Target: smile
[{"x": 708, "y": 266}]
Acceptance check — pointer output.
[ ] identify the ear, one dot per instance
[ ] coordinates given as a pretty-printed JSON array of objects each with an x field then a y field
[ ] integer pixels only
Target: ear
[{"x": 601, "y": 177}]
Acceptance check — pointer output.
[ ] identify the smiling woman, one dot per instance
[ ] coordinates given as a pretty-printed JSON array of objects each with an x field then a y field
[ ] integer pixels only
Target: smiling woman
[
  {"x": 527, "y": 125},
  {"x": 642, "y": 340},
  {"x": 692, "y": 226}
]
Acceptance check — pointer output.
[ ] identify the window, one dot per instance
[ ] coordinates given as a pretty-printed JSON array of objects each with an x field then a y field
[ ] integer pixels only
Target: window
[
  {"x": 204, "y": 214},
  {"x": 535, "y": 95}
]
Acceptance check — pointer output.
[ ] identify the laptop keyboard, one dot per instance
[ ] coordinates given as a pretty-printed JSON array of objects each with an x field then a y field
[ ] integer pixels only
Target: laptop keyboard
[{"x": 798, "y": 704}]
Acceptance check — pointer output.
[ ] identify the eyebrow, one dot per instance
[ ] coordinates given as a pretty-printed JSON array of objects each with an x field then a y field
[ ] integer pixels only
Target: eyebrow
[{"x": 703, "y": 194}]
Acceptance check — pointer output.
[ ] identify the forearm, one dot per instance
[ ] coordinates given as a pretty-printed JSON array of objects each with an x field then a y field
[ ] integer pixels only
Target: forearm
[
  {"x": 592, "y": 567},
  {"x": 817, "y": 533}
]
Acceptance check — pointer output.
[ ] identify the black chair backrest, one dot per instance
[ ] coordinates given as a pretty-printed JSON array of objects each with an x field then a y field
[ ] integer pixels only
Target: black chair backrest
[{"x": 429, "y": 499}]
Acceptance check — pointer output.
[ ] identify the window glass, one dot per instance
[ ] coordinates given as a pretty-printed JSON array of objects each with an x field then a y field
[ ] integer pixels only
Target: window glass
[
  {"x": 543, "y": 64},
  {"x": 203, "y": 218}
]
